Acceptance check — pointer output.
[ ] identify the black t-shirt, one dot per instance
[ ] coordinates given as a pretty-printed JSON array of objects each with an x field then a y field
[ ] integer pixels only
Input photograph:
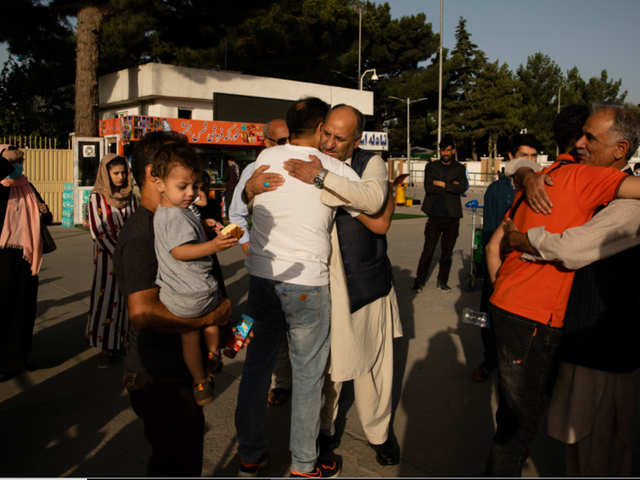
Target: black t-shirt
[{"x": 156, "y": 354}]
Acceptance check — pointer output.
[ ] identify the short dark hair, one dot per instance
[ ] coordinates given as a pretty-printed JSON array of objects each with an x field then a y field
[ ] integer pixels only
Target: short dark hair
[
  {"x": 117, "y": 161},
  {"x": 524, "y": 139},
  {"x": 356, "y": 112},
  {"x": 172, "y": 154},
  {"x": 447, "y": 141},
  {"x": 567, "y": 126},
  {"x": 146, "y": 148},
  {"x": 305, "y": 115},
  {"x": 204, "y": 178}
]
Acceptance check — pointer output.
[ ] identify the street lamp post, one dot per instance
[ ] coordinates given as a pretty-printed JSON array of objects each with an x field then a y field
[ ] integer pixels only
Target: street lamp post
[
  {"x": 374, "y": 77},
  {"x": 440, "y": 84},
  {"x": 360, "y": 42},
  {"x": 409, "y": 102}
]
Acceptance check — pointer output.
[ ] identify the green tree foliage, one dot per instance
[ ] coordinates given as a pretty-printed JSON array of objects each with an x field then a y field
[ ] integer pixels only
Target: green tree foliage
[
  {"x": 494, "y": 108},
  {"x": 603, "y": 90},
  {"x": 392, "y": 113},
  {"x": 308, "y": 40},
  {"x": 539, "y": 82},
  {"x": 36, "y": 84},
  {"x": 311, "y": 40},
  {"x": 462, "y": 70},
  {"x": 190, "y": 33},
  {"x": 32, "y": 102}
]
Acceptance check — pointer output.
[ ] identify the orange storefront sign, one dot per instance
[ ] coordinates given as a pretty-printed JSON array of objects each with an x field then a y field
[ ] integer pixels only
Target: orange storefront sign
[{"x": 207, "y": 132}]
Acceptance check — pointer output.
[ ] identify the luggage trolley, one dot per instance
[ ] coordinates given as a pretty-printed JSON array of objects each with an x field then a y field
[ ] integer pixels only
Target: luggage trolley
[{"x": 477, "y": 252}]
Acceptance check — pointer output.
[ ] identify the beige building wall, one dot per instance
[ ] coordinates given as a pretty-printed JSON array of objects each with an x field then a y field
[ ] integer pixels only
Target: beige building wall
[
  {"x": 157, "y": 90},
  {"x": 169, "y": 108}
]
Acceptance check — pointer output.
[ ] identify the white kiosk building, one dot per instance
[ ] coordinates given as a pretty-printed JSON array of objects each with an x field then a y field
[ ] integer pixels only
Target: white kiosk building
[{"x": 159, "y": 90}]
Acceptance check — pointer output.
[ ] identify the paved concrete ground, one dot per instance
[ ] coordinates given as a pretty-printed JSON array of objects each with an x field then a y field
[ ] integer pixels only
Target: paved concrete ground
[{"x": 71, "y": 418}]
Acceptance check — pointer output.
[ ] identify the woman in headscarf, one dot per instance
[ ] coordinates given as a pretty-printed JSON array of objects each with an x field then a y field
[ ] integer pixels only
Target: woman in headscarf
[
  {"x": 110, "y": 204},
  {"x": 20, "y": 259}
]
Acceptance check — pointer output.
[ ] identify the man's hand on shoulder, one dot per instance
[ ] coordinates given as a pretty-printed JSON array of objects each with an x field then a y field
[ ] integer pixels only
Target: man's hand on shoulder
[
  {"x": 304, "y": 171},
  {"x": 515, "y": 240},
  {"x": 260, "y": 182},
  {"x": 534, "y": 186}
]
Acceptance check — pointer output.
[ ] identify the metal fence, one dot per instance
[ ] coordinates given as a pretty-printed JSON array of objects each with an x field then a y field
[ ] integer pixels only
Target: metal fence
[
  {"x": 480, "y": 177},
  {"x": 22, "y": 141},
  {"x": 47, "y": 167}
]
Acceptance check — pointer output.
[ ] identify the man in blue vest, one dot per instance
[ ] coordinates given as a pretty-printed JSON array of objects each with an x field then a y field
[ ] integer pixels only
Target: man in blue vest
[{"x": 364, "y": 311}]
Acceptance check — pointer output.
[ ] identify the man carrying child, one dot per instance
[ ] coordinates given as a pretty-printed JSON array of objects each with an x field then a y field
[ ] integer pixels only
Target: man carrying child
[{"x": 156, "y": 377}]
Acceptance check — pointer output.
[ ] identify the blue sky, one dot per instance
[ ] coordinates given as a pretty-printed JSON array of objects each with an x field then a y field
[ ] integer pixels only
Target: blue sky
[{"x": 590, "y": 34}]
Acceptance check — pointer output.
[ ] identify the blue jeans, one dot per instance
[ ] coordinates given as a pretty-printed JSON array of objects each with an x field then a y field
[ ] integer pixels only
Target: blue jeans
[
  {"x": 527, "y": 367},
  {"x": 303, "y": 313}
]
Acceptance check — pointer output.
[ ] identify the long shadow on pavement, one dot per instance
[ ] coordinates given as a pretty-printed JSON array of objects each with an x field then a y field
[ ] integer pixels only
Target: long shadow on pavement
[
  {"x": 402, "y": 279},
  {"x": 54, "y": 425},
  {"x": 448, "y": 421},
  {"x": 54, "y": 345},
  {"x": 48, "y": 280},
  {"x": 45, "y": 305}
]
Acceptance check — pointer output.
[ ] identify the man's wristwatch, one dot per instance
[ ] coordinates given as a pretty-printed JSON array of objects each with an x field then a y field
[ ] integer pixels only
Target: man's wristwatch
[{"x": 318, "y": 180}]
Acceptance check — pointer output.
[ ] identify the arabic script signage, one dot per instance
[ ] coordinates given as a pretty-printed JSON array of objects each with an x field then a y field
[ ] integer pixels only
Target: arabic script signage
[
  {"x": 210, "y": 132},
  {"x": 374, "y": 141}
]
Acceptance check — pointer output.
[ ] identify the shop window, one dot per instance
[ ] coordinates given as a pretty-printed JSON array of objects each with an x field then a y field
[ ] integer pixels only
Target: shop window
[{"x": 184, "y": 113}]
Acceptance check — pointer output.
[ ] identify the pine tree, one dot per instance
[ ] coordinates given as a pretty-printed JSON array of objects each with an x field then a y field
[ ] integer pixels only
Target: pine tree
[
  {"x": 463, "y": 69},
  {"x": 495, "y": 105},
  {"x": 538, "y": 84}
]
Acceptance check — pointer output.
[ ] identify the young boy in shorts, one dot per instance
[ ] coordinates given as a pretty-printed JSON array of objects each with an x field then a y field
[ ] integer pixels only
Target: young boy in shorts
[{"x": 187, "y": 286}]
